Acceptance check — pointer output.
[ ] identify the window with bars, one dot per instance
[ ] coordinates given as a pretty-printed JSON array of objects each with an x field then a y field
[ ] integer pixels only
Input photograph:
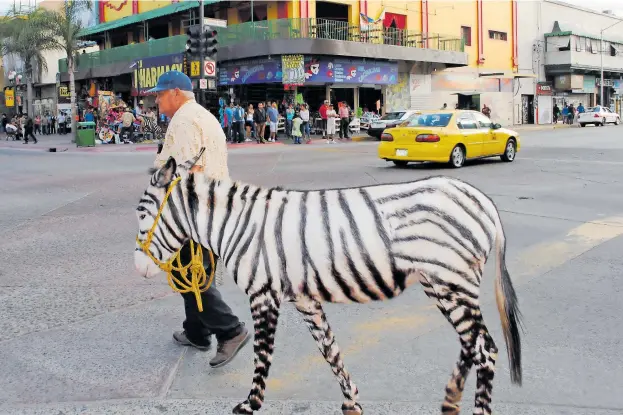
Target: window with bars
[
  {"x": 493, "y": 34},
  {"x": 466, "y": 35}
]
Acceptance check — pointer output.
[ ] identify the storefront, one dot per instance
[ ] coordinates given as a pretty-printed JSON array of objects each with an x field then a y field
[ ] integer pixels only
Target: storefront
[
  {"x": 544, "y": 107},
  {"x": 310, "y": 79},
  {"x": 145, "y": 74}
]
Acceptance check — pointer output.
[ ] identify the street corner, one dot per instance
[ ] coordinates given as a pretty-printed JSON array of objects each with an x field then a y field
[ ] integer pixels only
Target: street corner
[
  {"x": 363, "y": 137},
  {"x": 39, "y": 147}
]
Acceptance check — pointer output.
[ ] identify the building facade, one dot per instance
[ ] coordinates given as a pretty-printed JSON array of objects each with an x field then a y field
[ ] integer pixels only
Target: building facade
[
  {"x": 384, "y": 55},
  {"x": 561, "y": 44}
]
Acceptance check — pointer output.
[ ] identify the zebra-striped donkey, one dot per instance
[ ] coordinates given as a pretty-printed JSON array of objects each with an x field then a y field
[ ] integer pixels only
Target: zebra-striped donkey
[
  {"x": 349, "y": 245},
  {"x": 150, "y": 125}
]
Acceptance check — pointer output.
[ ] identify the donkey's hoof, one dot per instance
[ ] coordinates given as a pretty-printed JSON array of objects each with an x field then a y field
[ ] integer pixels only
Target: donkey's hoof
[
  {"x": 243, "y": 408},
  {"x": 352, "y": 409}
]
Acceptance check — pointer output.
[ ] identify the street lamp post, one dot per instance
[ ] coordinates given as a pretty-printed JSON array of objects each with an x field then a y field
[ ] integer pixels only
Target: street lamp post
[
  {"x": 601, "y": 52},
  {"x": 601, "y": 79}
]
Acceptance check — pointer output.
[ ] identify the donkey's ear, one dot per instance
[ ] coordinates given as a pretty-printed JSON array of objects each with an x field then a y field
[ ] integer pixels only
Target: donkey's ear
[
  {"x": 190, "y": 163},
  {"x": 166, "y": 173}
]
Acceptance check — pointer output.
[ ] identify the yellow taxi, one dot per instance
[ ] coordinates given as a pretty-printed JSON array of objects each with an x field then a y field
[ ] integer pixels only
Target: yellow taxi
[{"x": 447, "y": 136}]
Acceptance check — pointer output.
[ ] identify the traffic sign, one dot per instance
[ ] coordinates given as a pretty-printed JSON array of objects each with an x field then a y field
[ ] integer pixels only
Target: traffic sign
[
  {"x": 195, "y": 69},
  {"x": 209, "y": 68},
  {"x": 203, "y": 84}
]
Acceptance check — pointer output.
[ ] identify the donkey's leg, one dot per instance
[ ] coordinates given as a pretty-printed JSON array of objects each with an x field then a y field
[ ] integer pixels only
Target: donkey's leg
[
  {"x": 316, "y": 320},
  {"x": 485, "y": 354},
  {"x": 461, "y": 308},
  {"x": 265, "y": 313}
]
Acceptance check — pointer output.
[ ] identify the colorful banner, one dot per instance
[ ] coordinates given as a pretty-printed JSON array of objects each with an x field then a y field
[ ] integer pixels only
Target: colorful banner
[
  {"x": 146, "y": 71},
  {"x": 9, "y": 97},
  {"x": 64, "y": 97},
  {"x": 316, "y": 71},
  {"x": 293, "y": 69},
  {"x": 257, "y": 71}
]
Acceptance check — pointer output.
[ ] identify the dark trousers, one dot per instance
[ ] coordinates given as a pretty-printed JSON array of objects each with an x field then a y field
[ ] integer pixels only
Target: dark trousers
[
  {"x": 28, "y": 133},
  {"x": 344, "y": 127},
  {"x": 216, "y": 317}
]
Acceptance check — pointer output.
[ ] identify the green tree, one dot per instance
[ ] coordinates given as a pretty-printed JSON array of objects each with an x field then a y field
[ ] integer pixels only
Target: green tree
[
  {"x": 25, "y": 33},
  {"x": 66, "y": 23}
]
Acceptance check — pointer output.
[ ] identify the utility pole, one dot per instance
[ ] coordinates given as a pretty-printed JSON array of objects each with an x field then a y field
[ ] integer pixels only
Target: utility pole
[{"x": 201, "y": 51}]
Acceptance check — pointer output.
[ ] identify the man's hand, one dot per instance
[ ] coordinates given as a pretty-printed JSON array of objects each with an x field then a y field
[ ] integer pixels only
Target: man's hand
[{"x": 196, "y": 169}]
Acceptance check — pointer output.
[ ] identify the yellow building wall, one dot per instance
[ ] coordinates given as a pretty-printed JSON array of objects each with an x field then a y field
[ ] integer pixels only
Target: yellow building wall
[
  {"x": 116, "y": 9},
  {"x": 410, "y": 8},
  {"x": 497, "y": 15},
  {"x": 232, "y": 17},
  {"x": 147, "y": 5},
  {"x": 271, "y": 10}
]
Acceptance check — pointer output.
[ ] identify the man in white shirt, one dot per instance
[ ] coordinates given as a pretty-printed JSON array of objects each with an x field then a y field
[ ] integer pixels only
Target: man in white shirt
[{"x": 191, "y": 128}]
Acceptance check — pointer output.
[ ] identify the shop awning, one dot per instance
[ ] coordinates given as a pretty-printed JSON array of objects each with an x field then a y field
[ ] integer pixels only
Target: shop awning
[
  {"x": 467, "y": 93},
  {"x": 506, "y": 75},
  {"x": 141, "y": 17}
]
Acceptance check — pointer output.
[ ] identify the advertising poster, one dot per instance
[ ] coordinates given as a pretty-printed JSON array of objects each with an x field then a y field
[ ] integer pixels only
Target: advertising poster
[{"x": 293, "y": 69}]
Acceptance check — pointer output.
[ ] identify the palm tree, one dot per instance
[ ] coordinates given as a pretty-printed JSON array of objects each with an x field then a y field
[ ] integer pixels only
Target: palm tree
[
  {"x": 66, "y": 23},
  {"x": 24, "y": 32}
]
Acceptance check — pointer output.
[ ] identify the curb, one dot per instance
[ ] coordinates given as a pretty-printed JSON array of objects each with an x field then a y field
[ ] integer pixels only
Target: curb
[
  {"x": 117, "y": 148},
  {"x": 361, "y": 138}
]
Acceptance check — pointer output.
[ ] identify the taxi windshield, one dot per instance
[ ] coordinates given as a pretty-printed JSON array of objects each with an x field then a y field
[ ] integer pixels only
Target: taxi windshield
[
  {"x": 430, "y": 120},
  {"x": 393, "y": 115}
]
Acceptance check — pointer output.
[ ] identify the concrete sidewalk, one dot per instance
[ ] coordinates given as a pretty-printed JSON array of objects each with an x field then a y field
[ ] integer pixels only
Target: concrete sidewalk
[{"x": 62, "y": 143}]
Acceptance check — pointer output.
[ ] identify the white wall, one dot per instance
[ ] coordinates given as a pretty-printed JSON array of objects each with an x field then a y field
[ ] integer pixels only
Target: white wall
[
  {"x": 535, "y": 18},
  {"x": 52, "y": 58}
]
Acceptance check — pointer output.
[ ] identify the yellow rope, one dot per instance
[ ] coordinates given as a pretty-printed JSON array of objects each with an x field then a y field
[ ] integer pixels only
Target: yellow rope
[{"x": 199, "y": 282}]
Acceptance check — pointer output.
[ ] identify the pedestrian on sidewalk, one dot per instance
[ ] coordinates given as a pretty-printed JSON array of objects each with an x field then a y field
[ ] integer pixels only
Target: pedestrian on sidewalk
[
  {"x": 29, "y": 126},
  {"x": 305, "y": 129},
  {"x": 296, "y": 128},
  {"x": 191, "y": 128},
  {"x": 332, "y": 117}
]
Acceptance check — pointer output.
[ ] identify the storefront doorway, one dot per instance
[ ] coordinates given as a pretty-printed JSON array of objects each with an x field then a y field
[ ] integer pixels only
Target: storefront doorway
[
  {"x": 469, "y": 101},
  {"x": 313, "y": 95},
  {"x": 343, "y": 94},
  {"x": 368, "y": 98}
]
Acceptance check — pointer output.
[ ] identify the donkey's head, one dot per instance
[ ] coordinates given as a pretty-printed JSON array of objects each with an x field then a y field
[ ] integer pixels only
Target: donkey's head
[{"x": 162, "y": 224}]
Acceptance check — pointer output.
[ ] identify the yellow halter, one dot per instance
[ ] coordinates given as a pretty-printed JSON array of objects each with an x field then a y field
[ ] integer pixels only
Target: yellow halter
[{"x": 199, "y": 282}]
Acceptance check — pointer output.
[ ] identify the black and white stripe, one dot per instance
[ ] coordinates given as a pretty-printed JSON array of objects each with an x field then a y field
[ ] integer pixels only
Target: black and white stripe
[
  {"x": 350, "y": 245},
  {"x": 150, "y": 125}
]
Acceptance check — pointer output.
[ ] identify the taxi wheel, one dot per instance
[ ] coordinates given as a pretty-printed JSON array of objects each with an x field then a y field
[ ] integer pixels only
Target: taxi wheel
[
  {"x": 457, "y": 157},
  {"x": 510, "y": 152}
]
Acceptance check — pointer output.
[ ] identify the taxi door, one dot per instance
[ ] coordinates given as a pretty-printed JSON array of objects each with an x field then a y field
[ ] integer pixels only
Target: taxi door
[
  {"x": 492, "y": 142},
  {"x": 469, "y": 134}
]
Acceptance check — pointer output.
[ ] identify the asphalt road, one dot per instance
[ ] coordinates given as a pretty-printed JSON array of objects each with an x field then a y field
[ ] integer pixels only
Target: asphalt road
[{"x": 80, "y": 333}]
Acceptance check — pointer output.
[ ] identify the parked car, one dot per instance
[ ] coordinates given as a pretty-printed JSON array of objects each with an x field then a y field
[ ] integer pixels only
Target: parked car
[
  {"x": 389, "y": 120},
  {"x": 598, "y": 116},
  {"x": 448, "y": 136}
]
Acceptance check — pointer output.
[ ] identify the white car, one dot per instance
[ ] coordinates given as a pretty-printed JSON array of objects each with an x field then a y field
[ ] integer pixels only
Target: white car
[
  {"x": 598, "y": 116},
  {"x": 389, "y": 120}
]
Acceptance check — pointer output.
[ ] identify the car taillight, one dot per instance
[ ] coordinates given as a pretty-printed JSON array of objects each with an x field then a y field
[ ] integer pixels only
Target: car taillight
[
  {"x": 596, "y": 116},
  {"x": 427, "y": 138},
  {"x": 387, "y": 137}
]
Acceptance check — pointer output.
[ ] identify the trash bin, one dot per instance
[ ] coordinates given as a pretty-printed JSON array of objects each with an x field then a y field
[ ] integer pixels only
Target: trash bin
[{"x": 85, "y": 136}]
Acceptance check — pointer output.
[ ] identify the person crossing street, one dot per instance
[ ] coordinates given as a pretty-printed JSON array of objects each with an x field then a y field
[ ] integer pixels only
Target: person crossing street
[{"x": 191, "y": 128}]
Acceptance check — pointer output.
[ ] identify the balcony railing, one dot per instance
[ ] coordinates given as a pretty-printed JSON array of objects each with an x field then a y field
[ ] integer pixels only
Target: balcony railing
[
  {"x": 307, "y": 28},
  {"x": 313, "y": 28},
  {"x": 128, "y": 53}
]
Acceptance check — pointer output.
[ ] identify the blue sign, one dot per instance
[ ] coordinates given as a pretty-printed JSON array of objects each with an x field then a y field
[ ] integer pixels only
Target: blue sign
[
  {"x": 319, "y": 70},
  {"x": 146, "y": 71},
  {"x": 257, "y": 71}
]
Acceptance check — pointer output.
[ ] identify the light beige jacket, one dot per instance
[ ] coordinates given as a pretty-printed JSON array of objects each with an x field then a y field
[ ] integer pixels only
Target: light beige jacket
[{"x": 191, "y": 128}]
